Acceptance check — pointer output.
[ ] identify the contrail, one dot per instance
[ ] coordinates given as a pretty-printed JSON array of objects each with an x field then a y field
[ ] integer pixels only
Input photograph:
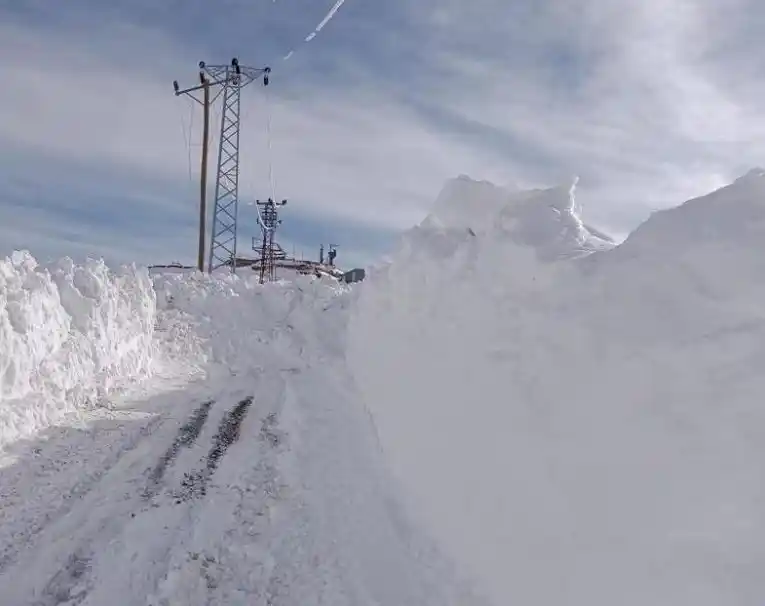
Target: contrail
[
  {"x": 329, "y": 16},
  {"x": 319, "y": 27}
]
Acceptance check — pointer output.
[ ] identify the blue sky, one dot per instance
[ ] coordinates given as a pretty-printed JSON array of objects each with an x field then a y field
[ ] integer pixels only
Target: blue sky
[{"x": 649, "y": 102}]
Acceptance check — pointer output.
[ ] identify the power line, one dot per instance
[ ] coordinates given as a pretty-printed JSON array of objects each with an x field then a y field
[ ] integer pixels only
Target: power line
[{"x": 269, "y": 138}]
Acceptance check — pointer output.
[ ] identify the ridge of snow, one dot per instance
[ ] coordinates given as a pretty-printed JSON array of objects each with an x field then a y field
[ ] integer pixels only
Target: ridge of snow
[
  {"x": 731, "y": 216},
  {"x": 546, "y": 220},
  {"x": 190, "y": 308},
  {"x": 753, "y": 173},
  {"x": 69, "y": 334},
  {"x": 584, "y": 431}
]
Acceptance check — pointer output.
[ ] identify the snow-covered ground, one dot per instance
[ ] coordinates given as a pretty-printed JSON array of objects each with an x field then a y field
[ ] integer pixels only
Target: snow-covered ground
[
  {"x": 251, "y": 476},
  {"x": 513, "y": 408}
]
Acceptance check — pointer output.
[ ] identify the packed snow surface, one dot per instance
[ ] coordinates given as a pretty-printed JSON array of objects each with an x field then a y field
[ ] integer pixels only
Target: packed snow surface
[{"x": 513, "y": 410}]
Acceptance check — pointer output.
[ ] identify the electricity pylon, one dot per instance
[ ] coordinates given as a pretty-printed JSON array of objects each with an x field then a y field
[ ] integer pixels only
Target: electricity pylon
[
  {"x": 224, "y": 230},
  {"x": 231, "y": 79}
]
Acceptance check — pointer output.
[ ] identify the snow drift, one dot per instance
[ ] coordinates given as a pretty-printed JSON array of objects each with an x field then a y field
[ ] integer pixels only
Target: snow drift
[
  {"x": 578, "y": 423},
  {"x": 224, "y": 322},
  {"x": 68, "y": 335}
]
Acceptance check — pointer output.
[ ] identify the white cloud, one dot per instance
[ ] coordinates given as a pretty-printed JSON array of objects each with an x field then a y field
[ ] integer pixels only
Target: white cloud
[
  {"x": 354, "y": 154},
  {"x": 623, "y": 92}
]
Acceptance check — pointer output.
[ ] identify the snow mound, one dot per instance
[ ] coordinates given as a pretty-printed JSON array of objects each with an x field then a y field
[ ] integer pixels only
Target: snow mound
[
  {"x": 68, "y": 335},
  {"x": 548, "y": 220},
  {"x": 224, "y": 321},
  {"x": 734, "y": 214},
  {"x": 578, "y": 423}
]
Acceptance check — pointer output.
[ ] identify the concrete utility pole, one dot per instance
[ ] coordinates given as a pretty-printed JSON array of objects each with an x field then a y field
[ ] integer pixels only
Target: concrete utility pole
[
  {"x": 205, "y": 102},
  {"x": 203, "y": 172}
]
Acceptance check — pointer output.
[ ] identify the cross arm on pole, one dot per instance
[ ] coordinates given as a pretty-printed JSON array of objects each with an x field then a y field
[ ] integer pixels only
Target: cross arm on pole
[
  {"x": 205, "y": 80},
  {"x": 192, "y": 89}
]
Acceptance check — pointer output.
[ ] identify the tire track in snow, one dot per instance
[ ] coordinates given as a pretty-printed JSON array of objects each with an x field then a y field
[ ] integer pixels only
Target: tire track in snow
[
  {"x": 194, "y": 484},
  {"x": 227, "y": 556},
  {"x": 137, "y": 533},
  {"x": 232, "y": 561},
  {"x": 187, "y": 435},
  {"x": 68, "y": 586},
  {"x": 39, "y": 504}
]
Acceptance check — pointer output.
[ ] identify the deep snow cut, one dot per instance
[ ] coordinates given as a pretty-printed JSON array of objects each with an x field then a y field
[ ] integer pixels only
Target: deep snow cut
[
  {"x": 578, "y": 423},
  {"x": 69, "y": 334},
  {"x": 575, "y": 422}
]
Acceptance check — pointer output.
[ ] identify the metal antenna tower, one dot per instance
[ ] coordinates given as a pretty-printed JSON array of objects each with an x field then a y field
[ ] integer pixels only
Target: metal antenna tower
[
  {"x": 233, "y": 78},
  {"x": 269, "y": 252},
  {"x": 332, "y": 254}
]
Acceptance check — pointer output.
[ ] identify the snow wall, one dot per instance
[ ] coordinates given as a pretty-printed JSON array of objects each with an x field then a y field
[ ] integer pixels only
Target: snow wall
[
  {"x": 234, "y": 325},
  {"x": 578, "y": 423},
  {"x": 69, "y": 334}
]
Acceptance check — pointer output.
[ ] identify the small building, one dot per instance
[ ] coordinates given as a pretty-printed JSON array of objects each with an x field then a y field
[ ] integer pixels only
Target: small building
[{"x": 354, "y": 275}]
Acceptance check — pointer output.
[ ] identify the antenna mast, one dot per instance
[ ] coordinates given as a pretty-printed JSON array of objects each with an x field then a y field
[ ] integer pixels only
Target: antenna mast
[{"x": 269, "y": 220}]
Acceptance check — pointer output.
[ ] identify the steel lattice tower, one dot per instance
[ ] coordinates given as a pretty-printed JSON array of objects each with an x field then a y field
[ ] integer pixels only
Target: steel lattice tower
[
  {"x": 269, "y": 251},
  {"x": 233, "y": 79}
]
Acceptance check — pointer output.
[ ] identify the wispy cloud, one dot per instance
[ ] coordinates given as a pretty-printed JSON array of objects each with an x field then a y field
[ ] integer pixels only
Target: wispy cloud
[
  {"x": 641, "y": 98},
  {"x": 649, "y": 103},
  {"x": 341, "y": 155}
]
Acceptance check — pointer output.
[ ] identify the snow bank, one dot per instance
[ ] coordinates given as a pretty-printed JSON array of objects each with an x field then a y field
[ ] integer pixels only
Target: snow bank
[
  {"x": 68, "y": 334},
  {"x": 223, "y": 321},
  {"x": 578, "y": 427}
]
